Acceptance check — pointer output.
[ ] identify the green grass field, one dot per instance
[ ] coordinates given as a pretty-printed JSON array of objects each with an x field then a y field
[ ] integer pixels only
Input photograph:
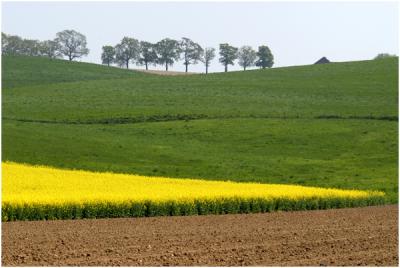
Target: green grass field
[
  {"x": 28, "y": 71},
  {"x": 331, "y": 125}
]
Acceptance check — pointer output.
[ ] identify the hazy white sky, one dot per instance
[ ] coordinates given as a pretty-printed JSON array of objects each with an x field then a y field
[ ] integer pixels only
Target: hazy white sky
[{"x": 298, "y": 33}]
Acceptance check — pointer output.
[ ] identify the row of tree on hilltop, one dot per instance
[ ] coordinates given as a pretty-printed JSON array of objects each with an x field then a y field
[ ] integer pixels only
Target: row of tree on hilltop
[
  {"x": 167, "y": 51},
  {"x": 72, "y": 44},
  {"x": 68, "y": 43}
]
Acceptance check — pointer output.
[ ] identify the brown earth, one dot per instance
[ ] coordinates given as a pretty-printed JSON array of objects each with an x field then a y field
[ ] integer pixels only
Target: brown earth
[{"x": 361, "y": 236}]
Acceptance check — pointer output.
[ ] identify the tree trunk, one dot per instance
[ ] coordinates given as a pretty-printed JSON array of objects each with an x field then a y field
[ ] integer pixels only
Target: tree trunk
[
  {"x": 127, "y": 64},
  {"x": 108, "y": 63},
  {"x": 244, "y": 68},
  {"x": 206, "y": 69},
  {"x": 226, "y": 68},
  {"x": 186, "y": 67},
  {"x": 146, "y": 65},
  {"x": 166, "y": 66}
]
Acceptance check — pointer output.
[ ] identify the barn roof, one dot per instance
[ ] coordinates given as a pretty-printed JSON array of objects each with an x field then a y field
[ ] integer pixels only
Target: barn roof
[{"x": 322, "y": 60}]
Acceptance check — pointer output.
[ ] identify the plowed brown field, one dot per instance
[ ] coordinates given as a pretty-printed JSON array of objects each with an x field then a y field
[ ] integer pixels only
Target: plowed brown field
[{"x": 360, "y": 236}]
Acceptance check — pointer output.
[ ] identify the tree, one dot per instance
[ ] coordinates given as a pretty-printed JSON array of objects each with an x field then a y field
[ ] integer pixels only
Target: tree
[
  {"x": 11, "y": 44},
  {"x": 208, "y": 56},
  {"x": 15, "y": 45},
  {"x": 265, "y": 57},
  {"x": 30, "y": 47},
  {"x": 191, "y": 52},
  {"x": 127, "y": 51},
  {"x": 148, "y": 54},
  {"x": 228, "y": 55},
  {"x": 72, "y": 44},
  {"x": 108, "y": 55},
  {"x": 4, "y": 43},
  {"x": 384, "y": 56},
  {"x": 168, "y": 51},
  {"x": 247, "y": 56},
  {"x": 49, "y": 48}
]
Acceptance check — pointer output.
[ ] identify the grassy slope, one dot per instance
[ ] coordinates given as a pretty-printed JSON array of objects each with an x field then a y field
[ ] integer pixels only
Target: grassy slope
[
  {"x": 343, "y": 89},
  {"x": 255, "y": 126},
  {"x": 24, "y": 71}
]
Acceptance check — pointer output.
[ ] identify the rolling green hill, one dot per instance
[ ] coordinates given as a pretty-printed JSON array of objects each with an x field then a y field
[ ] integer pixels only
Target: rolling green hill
[
  {"x": 27, "y": 71},
  {"x": 332, "y": 125}
]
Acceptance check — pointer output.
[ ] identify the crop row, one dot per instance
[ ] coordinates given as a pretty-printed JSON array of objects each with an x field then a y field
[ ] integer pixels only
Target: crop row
[
  {"x": 43, "y": 193},
  {"x": 12, "y": 212}
]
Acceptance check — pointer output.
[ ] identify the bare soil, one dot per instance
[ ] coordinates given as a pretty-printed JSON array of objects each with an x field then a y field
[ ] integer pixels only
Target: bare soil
[{"x": 361, "y": 236}]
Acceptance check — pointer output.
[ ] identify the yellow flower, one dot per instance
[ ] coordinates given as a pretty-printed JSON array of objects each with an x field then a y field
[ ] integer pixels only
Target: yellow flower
[{"x": 45, "y": 186}]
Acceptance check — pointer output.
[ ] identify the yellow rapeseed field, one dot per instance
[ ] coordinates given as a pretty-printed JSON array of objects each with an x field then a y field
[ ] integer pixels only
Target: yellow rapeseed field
[{"x": 25, "y": 186}]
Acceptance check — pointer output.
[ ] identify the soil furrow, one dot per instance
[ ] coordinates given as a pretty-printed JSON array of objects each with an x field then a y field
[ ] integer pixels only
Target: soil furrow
[{"x": 356, "y": 236}]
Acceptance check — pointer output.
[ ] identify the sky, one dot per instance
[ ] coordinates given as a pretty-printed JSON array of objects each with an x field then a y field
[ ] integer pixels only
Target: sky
[{"x": 298, "y": 33}]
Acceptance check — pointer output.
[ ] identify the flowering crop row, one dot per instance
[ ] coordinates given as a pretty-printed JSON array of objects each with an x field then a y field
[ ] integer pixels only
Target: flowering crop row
[{"x": 37, "y": 192}]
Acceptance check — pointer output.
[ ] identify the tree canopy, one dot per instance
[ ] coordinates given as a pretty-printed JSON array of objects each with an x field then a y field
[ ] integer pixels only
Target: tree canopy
[
  {"x": 72, "y": 44},
  {"x": 168, "y": 51},
  {"x": 108, "y": 55},
  {"x": 191, "y": 52},
  {"x": 247, "y": 56},
  {"x": 384, "y": 56},
  {"x": 228, "y": 55},
  {"x": 126, "y": 51},
  {"x": 208, "y": 56},
  {"x": 265, "y": 57},
  {"x": 50, "y": 48},
  {"x": 148, "y": 54}
]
